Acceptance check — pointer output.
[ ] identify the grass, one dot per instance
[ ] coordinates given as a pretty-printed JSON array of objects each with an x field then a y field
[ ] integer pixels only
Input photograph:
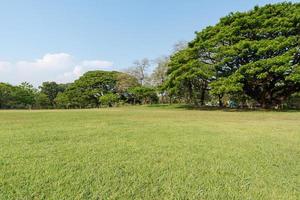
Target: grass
[{"x": 149, "y": 153}]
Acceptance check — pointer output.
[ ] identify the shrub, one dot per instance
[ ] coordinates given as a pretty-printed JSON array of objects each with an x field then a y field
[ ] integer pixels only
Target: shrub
[{"x": 109, "y": 99}]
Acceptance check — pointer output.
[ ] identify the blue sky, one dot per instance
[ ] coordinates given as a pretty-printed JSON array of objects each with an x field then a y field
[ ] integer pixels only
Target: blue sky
[{"x": 81, "y": 35}]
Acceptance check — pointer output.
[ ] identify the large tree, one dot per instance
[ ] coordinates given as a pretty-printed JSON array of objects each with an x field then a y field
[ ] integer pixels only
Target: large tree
[
  {"x": 255, "y": 53},
  {"x": 89, "y": 88},
  {"x": 86, "y": 91}
]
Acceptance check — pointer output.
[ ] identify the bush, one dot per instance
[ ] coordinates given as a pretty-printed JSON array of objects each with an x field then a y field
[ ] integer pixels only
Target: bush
[
  {"x": 144, "y": 95},
  {"x": 109, "y": 99}
]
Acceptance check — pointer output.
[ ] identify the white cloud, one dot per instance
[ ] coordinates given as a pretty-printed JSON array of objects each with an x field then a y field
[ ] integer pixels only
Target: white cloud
[
  {"x": 48, "y": 62},
  {"x": 60, "y": 67},
  {"x": 84, "y": 66},
  {"x": 4, "y": 66},
  {"x": 96, "y": 63}
]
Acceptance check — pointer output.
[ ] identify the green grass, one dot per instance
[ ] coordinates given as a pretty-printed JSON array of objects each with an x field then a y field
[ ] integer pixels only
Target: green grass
[{"x": 149, "y": 153}]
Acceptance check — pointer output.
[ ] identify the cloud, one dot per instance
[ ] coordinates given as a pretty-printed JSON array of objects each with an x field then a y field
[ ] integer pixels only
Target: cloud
[
  {"x": 48, "y": 62},
  {"x": 96, "y": 63},
  {"x": 4, "y": 66},
  {"x": 60, "y": 67},
  {"x": 84, "y": 66}
]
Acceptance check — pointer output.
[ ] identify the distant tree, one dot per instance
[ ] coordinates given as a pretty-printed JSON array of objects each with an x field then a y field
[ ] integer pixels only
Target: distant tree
[
  {"x": 6, "y": 92},
  {"x": 109, "y": 99},
  {"x": 139, "y": 70},
  {"x": 62, "y": 100},
  {"x": 86, "y": 91},
  {"x": 24, "y": 95},
  {"x": 159, "y": 74},
  {"x": 42, "y": 100},
  {"x": 51, "y": 89},
  {"x": 144, "y": 95},
  {"x": 125, "y": 81}
]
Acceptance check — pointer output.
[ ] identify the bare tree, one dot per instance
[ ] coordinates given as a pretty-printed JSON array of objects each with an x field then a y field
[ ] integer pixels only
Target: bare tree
[
  {"x": 139, "y": 70},
  {"x": 180, "y": 45},
  {"x": 160, "y": 72}
]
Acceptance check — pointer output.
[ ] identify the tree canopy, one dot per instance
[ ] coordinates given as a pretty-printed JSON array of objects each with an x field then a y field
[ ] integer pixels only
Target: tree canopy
[{"x": 254, "y": 53}]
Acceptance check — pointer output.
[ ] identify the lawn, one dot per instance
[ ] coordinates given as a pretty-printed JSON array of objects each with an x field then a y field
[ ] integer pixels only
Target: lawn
[{"x": 149, "y": 153}]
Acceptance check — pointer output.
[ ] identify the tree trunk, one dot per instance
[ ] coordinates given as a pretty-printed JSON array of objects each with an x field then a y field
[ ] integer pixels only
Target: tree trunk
[
  {"x": 220, "y": 101},
  {"x": 202, "y": 98}
]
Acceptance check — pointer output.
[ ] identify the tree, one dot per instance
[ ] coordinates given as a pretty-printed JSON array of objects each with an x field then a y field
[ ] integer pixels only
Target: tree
[
  {"x": 86, "y": 91},
  {"x": 139, "y": 70},
  {"x": 124, "y": 82},
  {"x": 225, "y": 86},
  {"x": 51, "y": 89},
  {"x": 42, "y": 100},
  {"x": 62, "y": 100},
  {"x": 143, "y": 95},
  {"x": 109, "y": 99},
  {"x": 21, "y": 96},
  {"x": 180, "y": 45},
  {"x": 255, "y": 54},
  {"x": 6, "y": 91},
  {"x": 159, "y": 74},
  {"x": 188, "y": 76},
  {"x": 24, "y": 95},
  {"x": 258, "y": 49}
]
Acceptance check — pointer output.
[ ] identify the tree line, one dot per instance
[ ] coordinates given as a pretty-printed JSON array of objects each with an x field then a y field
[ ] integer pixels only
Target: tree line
[
  {"x": 93, "y": 89},
  {"x": 248, "y": 59}
]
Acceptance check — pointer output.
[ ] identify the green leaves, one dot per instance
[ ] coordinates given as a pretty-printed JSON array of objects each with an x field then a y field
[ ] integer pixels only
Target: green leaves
[
  {"x": 109, "y": 99},
  {"x": 142, "y": 94},
  {"x": 255, "y": 53}
]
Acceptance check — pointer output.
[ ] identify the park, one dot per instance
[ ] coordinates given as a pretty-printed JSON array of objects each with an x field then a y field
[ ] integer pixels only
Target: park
[{"x": 215, "y": 117}]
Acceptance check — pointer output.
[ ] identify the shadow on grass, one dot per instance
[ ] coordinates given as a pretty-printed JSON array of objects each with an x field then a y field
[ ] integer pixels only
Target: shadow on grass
[{"x": 216, "y": 108}]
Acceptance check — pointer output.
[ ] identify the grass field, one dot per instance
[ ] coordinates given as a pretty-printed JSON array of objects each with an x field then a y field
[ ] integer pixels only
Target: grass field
[{"x": 149, "y": 153}]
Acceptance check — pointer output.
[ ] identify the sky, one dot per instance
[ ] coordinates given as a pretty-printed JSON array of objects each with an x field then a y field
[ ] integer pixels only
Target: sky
[{"x": 59, "y": 40}]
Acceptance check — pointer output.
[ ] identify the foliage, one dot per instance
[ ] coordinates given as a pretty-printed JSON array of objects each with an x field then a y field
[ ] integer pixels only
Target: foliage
[
  {"x": 255, "y": 53},
  {"x": 188, "y": 77},
  {"x": 62, "y": 100},
  {"x": 42, "y": 100},
  {"x": 86, "y": 91},
  {"x": 109, "y": 99},
  {"x": 21, "y": 96},
  {"x": 144, "y": 95},
  {"x": 51, "y": 89},
  {"x": 24, "y": 96},
  {"x": 6, "y": 91},
  {"x": 125, "y": 82},
  {"x": 252, "y": 57}
]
